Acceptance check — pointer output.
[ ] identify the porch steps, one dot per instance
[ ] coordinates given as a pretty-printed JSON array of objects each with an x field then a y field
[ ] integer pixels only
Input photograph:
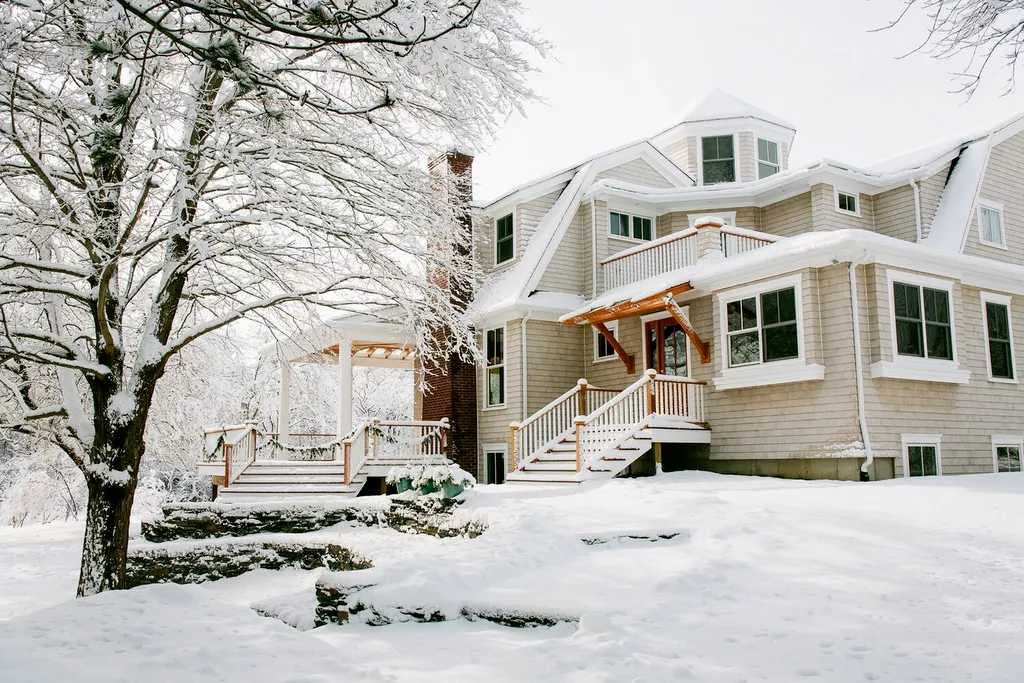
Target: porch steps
[{"x": 276, "y": 479}]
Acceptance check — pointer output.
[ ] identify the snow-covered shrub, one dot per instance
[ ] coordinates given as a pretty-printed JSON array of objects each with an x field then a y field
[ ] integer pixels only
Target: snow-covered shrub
[{"x": 431, "y": 477}]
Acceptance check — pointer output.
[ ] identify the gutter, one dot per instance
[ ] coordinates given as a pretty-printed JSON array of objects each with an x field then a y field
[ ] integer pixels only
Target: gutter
[
  {"x": 522, "y": 355},
  {"x": 917, "y": 208},
  {"x": 858, "y": 366}
]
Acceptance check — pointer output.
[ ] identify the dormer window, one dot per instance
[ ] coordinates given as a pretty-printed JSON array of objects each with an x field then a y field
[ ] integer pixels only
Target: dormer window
[
  {"x": 767, "y": 158},
  {"x": 504, "y": 240},
  {"x": 718, "y": 160}
]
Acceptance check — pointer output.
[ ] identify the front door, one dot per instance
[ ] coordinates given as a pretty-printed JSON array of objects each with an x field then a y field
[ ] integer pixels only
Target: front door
[{"x": 666, "y": 347}]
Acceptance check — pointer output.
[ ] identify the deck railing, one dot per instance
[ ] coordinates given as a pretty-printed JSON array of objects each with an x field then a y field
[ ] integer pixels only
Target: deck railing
[
  {"x": 650, "y": 396},
  {"x": 736, "y": 241},
  {"x": 554, "y": 419},
  {"x": 386, "y": 440},
  {"x": 235, "y": 446},
  {"x": 677, "y": 250}
]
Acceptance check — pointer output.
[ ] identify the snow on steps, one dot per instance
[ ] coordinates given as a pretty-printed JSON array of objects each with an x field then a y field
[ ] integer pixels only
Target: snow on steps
[
  {"x": 557, "y": 464},
  {"x": 273, "y": 479}
]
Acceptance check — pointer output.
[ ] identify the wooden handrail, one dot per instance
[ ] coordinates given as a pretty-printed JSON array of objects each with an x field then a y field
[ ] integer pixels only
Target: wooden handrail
[
  {"x": 749, "y": 234},
  {"x": 653, "y": 244}
]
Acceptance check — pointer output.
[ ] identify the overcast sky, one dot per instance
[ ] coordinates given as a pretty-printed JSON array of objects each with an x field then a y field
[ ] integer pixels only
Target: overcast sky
[{"x": 624, "y": 69}]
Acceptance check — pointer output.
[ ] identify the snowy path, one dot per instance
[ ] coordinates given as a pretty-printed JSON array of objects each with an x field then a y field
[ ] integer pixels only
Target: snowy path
[{"x": 767, "y": 580}]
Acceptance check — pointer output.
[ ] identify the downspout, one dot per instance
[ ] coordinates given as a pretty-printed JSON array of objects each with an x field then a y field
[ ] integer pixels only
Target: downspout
[
  {"x": 522, "y": 357},
  {"x": 858, "y": 366},
  {"x": 593, "y": 249},
  {"x": 917, "y": 208}
]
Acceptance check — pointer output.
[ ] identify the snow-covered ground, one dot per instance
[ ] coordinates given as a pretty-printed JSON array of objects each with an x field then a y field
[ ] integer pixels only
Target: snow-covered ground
[{"x": 765, "y": 580}]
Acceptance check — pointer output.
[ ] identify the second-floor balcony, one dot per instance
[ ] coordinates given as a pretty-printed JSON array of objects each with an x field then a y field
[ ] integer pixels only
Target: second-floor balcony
[{"x": 678, "y": 250}]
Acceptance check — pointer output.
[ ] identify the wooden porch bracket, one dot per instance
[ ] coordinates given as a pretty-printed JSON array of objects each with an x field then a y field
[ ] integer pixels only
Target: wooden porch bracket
[
  {"x": 684, "y": 321},
  {"x": 626, "y": 358}
]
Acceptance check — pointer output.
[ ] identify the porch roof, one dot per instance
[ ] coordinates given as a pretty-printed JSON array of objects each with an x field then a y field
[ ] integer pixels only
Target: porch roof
[
  {"x": 809, "y": 250},
  {"x": 375, "y": 341}
]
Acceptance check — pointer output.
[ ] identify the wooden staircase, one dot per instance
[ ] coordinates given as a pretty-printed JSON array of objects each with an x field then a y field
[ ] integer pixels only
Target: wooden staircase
[
  {"x": 245, "y": 473},
  {"x": 615, "y": 432}
]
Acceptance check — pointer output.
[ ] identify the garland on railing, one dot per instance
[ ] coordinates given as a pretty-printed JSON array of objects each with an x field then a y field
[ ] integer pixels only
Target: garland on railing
[
  {"x": 209, "y": 456},
  {"x": 410, "y": 441},
  {"x": 325, "y": 451}
]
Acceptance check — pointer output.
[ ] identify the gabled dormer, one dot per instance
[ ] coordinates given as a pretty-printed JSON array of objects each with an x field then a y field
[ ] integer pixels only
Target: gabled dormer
[{"x": 722, "y": 139}]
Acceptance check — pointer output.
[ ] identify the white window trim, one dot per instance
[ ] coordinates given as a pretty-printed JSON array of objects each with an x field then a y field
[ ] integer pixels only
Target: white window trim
[
  {"x": 992, "y": 206},
  {"x": 856, "y": 195},
  {"x": 494, "y": 448},
  {"x": 632, "y": 215},
  {"x": 921, "y": 440},
  {"x": 764, "y": 374},
  {"x": 1003, "y": 300},
  {"x": 728, "y": 216},
  {"x": 613, "y": 327},
  {"x": 735, "y": 156},
  {"x": 504, "y": 364},
  {"x": 515, "y": 239},
  {"x": 757, "y": 157},
  {"x": 920, "y": 369},
  {"x": 644, "y": 319},
  {"x": 1005, "y": 440}
]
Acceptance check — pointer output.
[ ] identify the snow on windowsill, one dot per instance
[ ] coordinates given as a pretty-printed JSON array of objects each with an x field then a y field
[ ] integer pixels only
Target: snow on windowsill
[
  {"x": 767, "y": 374},
  {"x": 921, "y": 370}
]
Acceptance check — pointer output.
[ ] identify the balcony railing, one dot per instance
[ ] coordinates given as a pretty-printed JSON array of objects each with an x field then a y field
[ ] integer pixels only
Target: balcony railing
[{"x": 678, "y": 250}]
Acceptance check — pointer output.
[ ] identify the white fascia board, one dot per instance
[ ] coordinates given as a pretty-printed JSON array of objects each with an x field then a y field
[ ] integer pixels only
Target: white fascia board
[
  {"x": 524, "y": 193},
  {"x": 741, "y": 124}
]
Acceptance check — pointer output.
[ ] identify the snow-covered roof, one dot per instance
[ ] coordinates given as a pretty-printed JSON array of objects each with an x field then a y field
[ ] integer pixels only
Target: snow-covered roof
[
  {"x": 717, "y": 105},
  {"x": 953, "y": 215},
  {"x": 815, "y": 250}
]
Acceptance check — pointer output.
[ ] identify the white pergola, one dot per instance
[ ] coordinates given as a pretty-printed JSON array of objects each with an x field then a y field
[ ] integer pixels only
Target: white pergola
[{"x": 357, "y": 340}]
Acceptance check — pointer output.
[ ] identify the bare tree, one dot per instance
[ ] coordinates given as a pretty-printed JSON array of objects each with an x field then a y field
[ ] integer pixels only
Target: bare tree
[
  {"x": 169, "y": 167},
  {"x": 979, "y": 33}
]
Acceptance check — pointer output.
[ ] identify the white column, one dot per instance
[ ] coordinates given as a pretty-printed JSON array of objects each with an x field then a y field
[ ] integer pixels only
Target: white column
[
  {"x": 285, "y": 403},
  {"x": 344, "y": 388}
]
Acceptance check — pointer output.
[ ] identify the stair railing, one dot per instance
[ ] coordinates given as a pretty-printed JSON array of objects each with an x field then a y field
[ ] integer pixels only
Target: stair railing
[
  {"x": 554, "y": 419},
  {"x": 620, "y": 418},
  {"x": 239, "y": 451},
  {"x": 355, "y": 450}
]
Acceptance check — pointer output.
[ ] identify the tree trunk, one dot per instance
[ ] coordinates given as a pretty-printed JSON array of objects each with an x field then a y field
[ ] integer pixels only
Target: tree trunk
[{"x": 105, "y": 549}]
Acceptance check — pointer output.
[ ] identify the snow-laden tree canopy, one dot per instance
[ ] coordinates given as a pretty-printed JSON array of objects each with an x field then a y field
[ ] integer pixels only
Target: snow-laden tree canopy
[{"x": 168, "y": 167}]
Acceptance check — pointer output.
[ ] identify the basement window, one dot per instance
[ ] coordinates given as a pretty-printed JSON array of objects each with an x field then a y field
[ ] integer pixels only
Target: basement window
[{"x": 922, "y": 455}]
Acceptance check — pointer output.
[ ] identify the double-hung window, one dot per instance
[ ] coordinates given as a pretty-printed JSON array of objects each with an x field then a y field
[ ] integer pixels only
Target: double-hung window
[
  {"x": 767, "y": 158},
  {"x": 495, "y": 372},
  {"x": 718, "y": 159},
  {"x": 924, "y": 326},
  {"x": 998, "y": 334},
  {"x": 763, "y": 328},
  {"x": 629, "y": 226},
  {"x": 504, "y": 239},
  {"x": 990, "y": 224}
]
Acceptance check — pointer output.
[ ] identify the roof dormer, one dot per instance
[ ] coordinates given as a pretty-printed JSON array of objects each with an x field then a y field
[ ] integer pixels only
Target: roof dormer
[{"x": 722, "y": 139}]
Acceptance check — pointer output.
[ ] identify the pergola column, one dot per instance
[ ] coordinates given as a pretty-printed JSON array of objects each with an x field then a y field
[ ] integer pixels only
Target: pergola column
[
  {"x": 344, "y": 388},
  {"x": 285, "y": 402}
]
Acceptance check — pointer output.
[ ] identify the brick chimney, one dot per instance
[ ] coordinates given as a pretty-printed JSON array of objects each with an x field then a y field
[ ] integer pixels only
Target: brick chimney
[{"x": 451, "y": 390}]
